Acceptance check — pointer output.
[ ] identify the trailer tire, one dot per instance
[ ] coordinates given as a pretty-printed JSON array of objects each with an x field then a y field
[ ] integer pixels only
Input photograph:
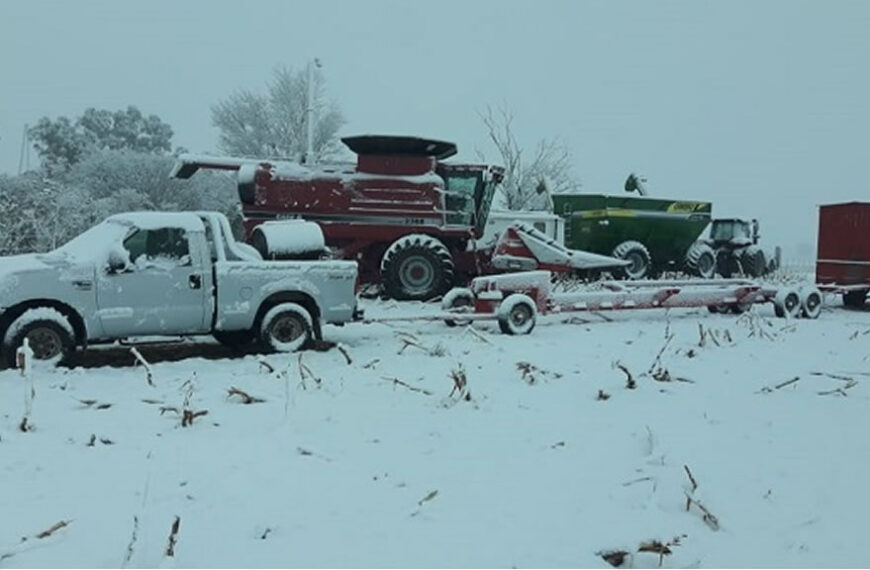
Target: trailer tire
[
  {"x": 517, "y": 314},
  {"x": 787, "y": 303},
  {"x": 286, "y": 327},
  {"x": 811, "y": 303},
  {"x": 701, "y": 261},
  {"x": 718, "y": 309},
  {"x": 458, "y": 298},
  {"x": 416, "y": 267},
  {"x": 855, "y": 299},
  {"x": 753, "y": 261},
  {"x": 638, "y": 255},
  {"x": 50, "y": 337}
]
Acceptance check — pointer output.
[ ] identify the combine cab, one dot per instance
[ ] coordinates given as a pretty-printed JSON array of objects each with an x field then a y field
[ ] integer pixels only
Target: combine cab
[{"x": 409, "y": 219}]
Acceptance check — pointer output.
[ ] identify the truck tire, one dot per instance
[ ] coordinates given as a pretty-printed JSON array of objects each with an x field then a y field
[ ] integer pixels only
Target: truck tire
[
  {"x": 48, "y": 333},
  {"x": 701, "y": 261},
  {"x": 855, "y": 299},
  {"x": 517, "y": 314},
  {"x": 638, "y": 255},
  {"x": 753, "y": 261},
  {"x": 285, "y": 328},
  {"x": 458, "y": 298},
  {"x": 416, "y": 267}
]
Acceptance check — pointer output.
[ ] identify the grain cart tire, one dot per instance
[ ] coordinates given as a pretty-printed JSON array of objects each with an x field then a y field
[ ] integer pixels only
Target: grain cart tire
[
  {"x": 286, "y": 327},
  {"x": 811, "y": 303},
  {"x": 739, "y": 308},
  {"x": 718, "y": 309},
  {"x": 753, "y": 261},
  {"x": 416, "y": 267},
  {"x": 458, "y": 299},
  {"x": 638, "y": 255},
  {"x": 48, "y": 332},
  {"x": 787, "y": 303},
  {"x": 234, "y": 339},
  {"x": 701, "y": 261},
  {"x": 517, "y": 314},
  {"x": 855, "y": 299}
]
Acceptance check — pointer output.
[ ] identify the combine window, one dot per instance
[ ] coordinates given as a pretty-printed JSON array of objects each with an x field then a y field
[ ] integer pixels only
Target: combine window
[{"x": 460, "y": 198}]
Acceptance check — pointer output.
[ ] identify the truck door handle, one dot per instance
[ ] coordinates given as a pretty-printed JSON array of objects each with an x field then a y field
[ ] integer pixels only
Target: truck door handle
[{"x": 195, "y": 281}]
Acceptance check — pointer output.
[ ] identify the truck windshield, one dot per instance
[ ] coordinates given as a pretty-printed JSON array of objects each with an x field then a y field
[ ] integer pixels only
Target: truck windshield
[{"x": 99, "y": 239}]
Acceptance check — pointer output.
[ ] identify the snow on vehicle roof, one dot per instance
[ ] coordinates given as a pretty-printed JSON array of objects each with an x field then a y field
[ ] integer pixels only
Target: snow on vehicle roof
[{"x": 154, "y": 220}]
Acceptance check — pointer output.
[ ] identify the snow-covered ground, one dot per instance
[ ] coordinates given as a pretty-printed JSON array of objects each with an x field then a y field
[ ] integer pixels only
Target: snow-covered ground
[{"x": 370, "y": 458}]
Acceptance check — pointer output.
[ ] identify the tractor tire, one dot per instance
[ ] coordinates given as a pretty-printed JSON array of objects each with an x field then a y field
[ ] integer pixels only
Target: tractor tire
[
  {"x": 51, "y": 338},
  {"x": 458, "y": 299},
  {"x": 855, "y": 299},
  {"x": 416, "y": 267},
  {"x": 638, "y": 255},
  {"x": 286, "y": 328},
  {"x": 701, "y": 261},
  {"x": 728, "y": 264},
  {"x": 517, "y": 314},
  {"x": 753, "y": 261}
]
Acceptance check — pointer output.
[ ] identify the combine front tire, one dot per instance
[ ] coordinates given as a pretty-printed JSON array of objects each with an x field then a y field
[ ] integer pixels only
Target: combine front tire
[
  {"x": 416, "y": 267},
  {"x": 517, "y": 314},
  {"x": 638, "y": 255},
  {"x": 701, "y": 261}
]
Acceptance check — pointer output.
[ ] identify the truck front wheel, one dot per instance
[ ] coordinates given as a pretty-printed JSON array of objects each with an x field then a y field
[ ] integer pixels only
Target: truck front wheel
[
  {"x": 51, "y": 338},
  {"x": 286, "y": 328}
]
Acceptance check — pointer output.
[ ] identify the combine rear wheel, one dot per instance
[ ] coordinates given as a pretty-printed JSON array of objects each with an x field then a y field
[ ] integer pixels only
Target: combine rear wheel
[
  {"x": 416, "y": 267},
  {"x": 701, "y": 261},
  {"x": 638, "y": 255}
]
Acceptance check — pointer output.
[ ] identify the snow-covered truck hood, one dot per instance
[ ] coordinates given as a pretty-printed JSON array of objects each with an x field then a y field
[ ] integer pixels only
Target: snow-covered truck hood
[{"x": 29, "y": 275}]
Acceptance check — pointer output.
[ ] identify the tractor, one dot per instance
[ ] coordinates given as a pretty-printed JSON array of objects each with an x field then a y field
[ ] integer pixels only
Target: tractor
[{"x": 733, "y": 243}]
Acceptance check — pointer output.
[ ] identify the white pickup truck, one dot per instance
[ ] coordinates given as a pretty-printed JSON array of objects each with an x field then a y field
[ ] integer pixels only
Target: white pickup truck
[{"x": 165, "y": 274}]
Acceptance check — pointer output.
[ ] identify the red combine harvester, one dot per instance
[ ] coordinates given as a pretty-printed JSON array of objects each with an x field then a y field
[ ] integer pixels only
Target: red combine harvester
[
  {"x": 404, "y": 215},
  {"x": 843, "y": 261}
]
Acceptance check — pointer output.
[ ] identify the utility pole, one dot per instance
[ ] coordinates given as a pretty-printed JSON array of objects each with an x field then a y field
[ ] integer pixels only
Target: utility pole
[
  {"x": 25, "y": 151},
  {"x": 309, "y": 119}
]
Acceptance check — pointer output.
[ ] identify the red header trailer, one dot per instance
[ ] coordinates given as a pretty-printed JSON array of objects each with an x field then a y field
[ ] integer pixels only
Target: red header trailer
[{"x": 843, "y": 260}]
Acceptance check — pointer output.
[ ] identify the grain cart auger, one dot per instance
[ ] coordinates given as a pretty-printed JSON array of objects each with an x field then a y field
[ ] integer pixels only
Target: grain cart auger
[{"x": 408, "y": 218}]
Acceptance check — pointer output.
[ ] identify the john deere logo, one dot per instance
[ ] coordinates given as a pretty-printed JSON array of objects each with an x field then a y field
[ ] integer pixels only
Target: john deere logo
[{"x": 686, "y": 207}]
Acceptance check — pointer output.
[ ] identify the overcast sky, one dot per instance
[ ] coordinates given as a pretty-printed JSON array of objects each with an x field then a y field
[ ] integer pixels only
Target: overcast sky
[{"x": 758, "y": 106}]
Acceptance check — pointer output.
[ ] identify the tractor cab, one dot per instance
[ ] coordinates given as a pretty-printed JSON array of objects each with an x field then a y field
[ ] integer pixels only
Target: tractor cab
[{"x": 734, "y": 232}]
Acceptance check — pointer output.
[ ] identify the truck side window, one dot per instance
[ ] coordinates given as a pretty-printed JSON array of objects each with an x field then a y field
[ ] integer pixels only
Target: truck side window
[{"x": 166, "y": 243}]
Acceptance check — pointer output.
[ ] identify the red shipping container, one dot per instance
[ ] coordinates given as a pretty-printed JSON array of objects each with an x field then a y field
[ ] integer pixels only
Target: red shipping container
[{"x": 844, "y": 244}]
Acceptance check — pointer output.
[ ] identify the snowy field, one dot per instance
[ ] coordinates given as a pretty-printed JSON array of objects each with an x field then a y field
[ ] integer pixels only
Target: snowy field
[{"x": 376, "y": 455}]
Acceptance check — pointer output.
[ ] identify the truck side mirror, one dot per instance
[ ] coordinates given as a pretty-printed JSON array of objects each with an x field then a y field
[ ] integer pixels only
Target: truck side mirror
[{"x": 116, "y": 262}]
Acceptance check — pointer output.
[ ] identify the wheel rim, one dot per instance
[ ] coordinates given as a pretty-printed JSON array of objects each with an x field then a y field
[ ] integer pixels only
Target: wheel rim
[
  {"x": 520, "y": 315},
  {"x": 637, "y": 264},
  {"x": 791, "y": 301},
  {"x": 417, "y": 274},
  {"x": 287, "y": 328},
  {"x": 45, "y": 343},
  {"x": 813, "y": 301}
]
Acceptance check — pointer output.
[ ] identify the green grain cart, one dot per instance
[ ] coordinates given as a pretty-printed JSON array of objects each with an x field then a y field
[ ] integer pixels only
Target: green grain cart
[{"x": 655, "y": 234}]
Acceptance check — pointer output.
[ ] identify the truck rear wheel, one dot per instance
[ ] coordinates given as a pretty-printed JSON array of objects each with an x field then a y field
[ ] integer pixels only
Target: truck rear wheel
[
  {"x": 416, "y": 267},
  {"x": 638, "y": 255},
  {"x": 701, "y": 261},
  {"x": 286, "y": 328}
]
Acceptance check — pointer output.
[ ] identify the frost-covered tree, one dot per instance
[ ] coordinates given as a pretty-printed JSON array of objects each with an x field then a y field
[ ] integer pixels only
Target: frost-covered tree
[
  {"x": 62, "y": 142},
  {"x": 528, "y": 177},
  {"x": 274, "y": 124}
]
